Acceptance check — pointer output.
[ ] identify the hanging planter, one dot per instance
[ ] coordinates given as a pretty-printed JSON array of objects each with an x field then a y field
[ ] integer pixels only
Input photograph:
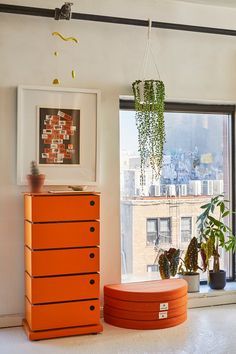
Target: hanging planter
[{"x": 149, "y": 96}]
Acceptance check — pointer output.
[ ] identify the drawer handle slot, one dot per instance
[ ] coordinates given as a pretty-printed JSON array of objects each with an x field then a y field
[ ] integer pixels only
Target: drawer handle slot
[
  {"x": 92, "y": 203},
  {"x": 92, "y": 229},
  {"x": 92, "y": 255},
  {"x": 92, "y": 281},
  {"x": 92, "y": 308}
]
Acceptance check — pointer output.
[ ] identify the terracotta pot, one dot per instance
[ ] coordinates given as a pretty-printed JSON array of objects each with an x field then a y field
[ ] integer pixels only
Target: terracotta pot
[
  {"x": 193, "y": 280},
  {"x": 36, "y": 183},
  {"x": 217, "y": 280}
]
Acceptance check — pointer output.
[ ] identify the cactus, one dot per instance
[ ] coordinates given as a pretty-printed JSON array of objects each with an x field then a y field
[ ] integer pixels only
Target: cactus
[
  {"x": 34, "y": 168},
  {"x": 191, "y": 256}
]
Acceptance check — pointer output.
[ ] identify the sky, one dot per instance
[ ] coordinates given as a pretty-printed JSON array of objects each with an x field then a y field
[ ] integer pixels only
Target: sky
[{"x": 183, "y": 131}]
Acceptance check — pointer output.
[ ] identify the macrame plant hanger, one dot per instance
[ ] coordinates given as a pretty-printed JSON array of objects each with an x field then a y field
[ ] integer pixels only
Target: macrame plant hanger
[
  {"x": 148, "y": 51},
  {"x": 149, "y": 95}
]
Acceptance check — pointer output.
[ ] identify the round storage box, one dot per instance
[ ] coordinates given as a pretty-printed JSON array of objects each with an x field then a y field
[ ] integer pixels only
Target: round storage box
[{"x": 146, "y": 305}]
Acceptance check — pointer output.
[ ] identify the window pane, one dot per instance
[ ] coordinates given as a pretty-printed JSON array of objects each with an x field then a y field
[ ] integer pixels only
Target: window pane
[
  {"x": 152, "y": 268},
  {"x": 186, "y": 224},
  {"x": 186, "y": 229},
  {"x": 151, "y": 232},
  {"x": 196, "y": 166},
  {"x": 164, "y": 225},
  {"x": 165, "y": 231},
  {"x": 151, "y": 225}
]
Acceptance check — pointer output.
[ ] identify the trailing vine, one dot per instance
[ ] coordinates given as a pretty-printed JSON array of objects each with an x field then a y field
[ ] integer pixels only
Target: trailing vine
[{"x": 149, "y": 96}]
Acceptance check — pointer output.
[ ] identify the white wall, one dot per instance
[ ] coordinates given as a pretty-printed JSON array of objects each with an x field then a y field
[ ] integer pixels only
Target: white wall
[{"x": 193, "y": 66}]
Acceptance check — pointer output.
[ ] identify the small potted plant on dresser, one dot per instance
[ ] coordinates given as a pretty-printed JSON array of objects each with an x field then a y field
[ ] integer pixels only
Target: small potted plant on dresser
[
  {"x": 188, "y": 269},
  {"x": 215, "y": 234},
  {"x": 35, "y": 179}
]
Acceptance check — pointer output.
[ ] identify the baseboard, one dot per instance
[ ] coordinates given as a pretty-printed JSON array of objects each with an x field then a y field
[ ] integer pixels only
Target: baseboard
[{"x": 14, "y": 320}]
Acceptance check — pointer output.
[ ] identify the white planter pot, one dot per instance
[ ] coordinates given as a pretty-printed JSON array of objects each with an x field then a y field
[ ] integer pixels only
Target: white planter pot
[{"x": 193, "y": 281}]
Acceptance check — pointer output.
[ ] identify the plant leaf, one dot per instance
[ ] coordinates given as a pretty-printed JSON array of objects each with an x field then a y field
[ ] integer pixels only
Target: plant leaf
[{"x": 226, "y": 213}]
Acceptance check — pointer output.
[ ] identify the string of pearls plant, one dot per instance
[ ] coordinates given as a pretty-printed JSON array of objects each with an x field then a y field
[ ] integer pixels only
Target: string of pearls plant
[{"x": 149, "y": 96}]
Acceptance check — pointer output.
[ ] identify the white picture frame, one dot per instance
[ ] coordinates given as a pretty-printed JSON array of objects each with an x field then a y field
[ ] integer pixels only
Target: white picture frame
[{"x": 30, "y": 99}]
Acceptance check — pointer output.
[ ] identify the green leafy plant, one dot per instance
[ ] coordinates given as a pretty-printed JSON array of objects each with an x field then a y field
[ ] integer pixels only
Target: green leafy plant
[
  {"x": 168, "y": 262},
  {"x": 214, "y": 232},
  {"x": 34, "y": 168},
  {"x": 189, "y": 264},
  {"x": 149, "y": 96}
]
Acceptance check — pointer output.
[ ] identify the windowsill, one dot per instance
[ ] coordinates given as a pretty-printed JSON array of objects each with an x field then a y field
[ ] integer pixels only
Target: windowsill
[{"x": 208, "y": 297}]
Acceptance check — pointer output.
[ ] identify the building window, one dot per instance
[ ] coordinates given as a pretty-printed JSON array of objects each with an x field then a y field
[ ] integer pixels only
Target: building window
[
  {"x": 186, "y": 229},
  {"x": 152, "y": 268},
  {"x": 158, "y": 231},
  {"x": 164, "y": 230},
  {"x": 152, "y": 227}
]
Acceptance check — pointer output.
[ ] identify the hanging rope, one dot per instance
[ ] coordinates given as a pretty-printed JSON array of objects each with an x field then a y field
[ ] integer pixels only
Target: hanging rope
[{"x": 148, "y": 51}]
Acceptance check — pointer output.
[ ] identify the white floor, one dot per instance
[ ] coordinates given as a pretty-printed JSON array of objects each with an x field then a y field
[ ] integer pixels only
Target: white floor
[{"x": 210, "y": 330}]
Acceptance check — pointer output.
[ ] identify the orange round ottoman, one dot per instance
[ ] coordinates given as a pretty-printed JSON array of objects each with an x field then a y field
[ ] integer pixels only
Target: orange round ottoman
[{"x": 146, "y": 305}]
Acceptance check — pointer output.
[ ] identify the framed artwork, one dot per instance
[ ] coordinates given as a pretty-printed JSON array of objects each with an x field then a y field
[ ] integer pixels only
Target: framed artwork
[
  {"x": 59, "y": 136},
  {"x": 59, "y": 129}
]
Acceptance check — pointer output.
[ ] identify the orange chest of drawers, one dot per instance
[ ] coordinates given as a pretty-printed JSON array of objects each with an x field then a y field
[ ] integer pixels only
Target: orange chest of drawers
[{"x": 61, "y": 265}]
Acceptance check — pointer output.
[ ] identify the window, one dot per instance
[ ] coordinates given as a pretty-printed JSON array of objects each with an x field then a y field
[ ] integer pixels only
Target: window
[
  {"x": 197, "y": 165},
  {"x": 152, "y": 231},
  {"x": 152, "y": 268},
  {"x": 165, "y": 230},
  {"x": 158, "y": 231},
  {"x": 186, "y": 229}
]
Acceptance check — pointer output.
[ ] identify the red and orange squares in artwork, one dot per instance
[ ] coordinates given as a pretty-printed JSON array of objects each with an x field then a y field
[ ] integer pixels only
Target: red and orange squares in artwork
[{"x": 59, "y": 136}]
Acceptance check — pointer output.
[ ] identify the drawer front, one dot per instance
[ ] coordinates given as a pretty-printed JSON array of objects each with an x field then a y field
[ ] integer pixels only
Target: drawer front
[
  {"x": 58, "y": 289},
  {"x": 61, "y": 235},
  {"x": 59, "y": 262},
  {"x": 61, "y": 208},
  {"x": 67, "y": 314}
]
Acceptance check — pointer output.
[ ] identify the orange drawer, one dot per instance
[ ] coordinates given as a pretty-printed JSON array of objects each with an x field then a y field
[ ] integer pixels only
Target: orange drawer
[
  {"x": 62, "y": 315},
  {"x": 61, "y": 235},
  {"x": 64, "y": 261},
  {"x": 43, "y": 208},
  {"x": 65, "y": 288}
]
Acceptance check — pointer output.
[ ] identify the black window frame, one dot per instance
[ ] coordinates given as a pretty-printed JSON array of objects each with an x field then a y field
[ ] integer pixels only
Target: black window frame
[{"x": 229, "y": 109}]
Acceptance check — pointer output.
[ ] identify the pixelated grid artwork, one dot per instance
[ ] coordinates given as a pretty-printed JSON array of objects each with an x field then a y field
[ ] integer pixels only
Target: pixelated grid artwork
[{"x": 59, "y": 136}]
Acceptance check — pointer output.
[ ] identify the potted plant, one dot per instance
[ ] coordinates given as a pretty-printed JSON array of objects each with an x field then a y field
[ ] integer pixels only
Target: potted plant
[
  {"x": 189, "y": 266},
  {"x": 168, "y": 262},
  {"x": 35, "y": 179},
  {"x": 215, "y": 234},
  {"x": 149, "y": 96}
]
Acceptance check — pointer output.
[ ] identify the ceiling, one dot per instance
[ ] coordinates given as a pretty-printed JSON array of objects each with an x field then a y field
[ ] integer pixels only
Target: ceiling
[{"x": 223, "y": 3}]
